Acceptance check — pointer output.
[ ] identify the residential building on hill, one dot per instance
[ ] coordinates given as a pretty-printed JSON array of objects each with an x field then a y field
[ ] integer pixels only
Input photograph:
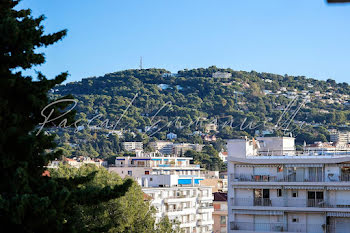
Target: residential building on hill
[
  {"x": 340, "y": 137},
  {"x": 181, "y": 148},
  {"x": 274, "y": 189},
  {"x": 132, "y": 146},
  {"x": 211, "y": 127},
  {"x": 223, "y": 156},
  {"x": 164, "y": 147},
  {"x": 219, "y": 74},
  {"x": 171, "y": 136}
]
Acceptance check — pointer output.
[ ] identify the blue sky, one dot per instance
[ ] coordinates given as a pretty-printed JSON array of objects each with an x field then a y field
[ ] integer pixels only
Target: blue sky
[{"x": 296, "y": 37}]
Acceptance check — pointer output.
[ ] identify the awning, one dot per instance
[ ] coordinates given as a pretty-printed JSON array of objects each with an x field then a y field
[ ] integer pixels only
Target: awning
[
  {"x": 256, "y": 187},
  {"x": 258, "y": 165},
  {"x": 338, "y": 214},
  {"x": 338, "y": 188},
  {"x": 304, "y": 165},
  {"x": 305, "y": 187},
  {"x": 343, "y": 165},
  {"x": 258, "y": 212}
]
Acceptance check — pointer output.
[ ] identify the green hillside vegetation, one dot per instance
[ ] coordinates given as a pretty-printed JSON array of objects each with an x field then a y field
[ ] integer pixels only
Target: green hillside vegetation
[{"x": 185, "y": 102}]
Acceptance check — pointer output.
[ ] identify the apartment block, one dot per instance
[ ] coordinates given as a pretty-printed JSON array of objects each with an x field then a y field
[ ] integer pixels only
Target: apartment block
[
  {"x": 164, "y": 147},
  {"x": 340, "y": 137},
  {"x": 132, "y": 146},
  {"x": 272, "y": 188},
  {"x": 188, "y": 204},
  {"x": 181, "y": 148},
  {"x": 173, "y": 185}
]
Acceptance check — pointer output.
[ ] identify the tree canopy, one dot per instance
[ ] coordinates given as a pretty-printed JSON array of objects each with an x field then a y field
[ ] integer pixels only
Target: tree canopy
[{"x": 29, "y": 201}]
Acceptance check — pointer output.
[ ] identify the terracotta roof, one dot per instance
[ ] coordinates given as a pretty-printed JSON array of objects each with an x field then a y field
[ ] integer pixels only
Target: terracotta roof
[
  {"x": 68, "y": 159},
  {"x": 46, "y": 173},
  {"x": 220, "y": 196},
  {"x": 146, "y": 197}
]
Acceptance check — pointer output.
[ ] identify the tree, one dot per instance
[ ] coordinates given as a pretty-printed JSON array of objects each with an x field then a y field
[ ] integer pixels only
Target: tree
[
  {"x": 29, "y": 201},
  {"x": 130, "y": 213}
]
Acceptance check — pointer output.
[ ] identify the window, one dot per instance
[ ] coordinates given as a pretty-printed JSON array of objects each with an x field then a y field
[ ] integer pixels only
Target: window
[
  {"x": 262, "y": 197},
  {"x": 295, "y": 193},
  {"x": 295, "y": 219},
  {"x": 222, "y": 220},
  {"x": 129, "y": 173},
  {"x": 279, "y": 192},
  {"x": 151, "y": 179},
  {"x": 315, "y": 199}
]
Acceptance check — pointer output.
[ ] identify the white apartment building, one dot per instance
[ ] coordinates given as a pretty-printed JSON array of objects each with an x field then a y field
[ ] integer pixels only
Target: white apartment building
[
  {"x": 139, "y": 166},
  {"x": 181, "y": 148},
  {"x": 173, "y": 184},
  {"x": 164, "y": 147},
  {"x": 340, "y": 137},
  {"x": 272, "y": 189},
  {"x": 219, "y": 74},
  {"x": 189, "y": 205},
  {"x": 132, "y": 146}
]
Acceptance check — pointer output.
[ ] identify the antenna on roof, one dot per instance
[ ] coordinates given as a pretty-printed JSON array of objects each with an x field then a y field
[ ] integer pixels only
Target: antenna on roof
[{"x": 141, "y": 63}]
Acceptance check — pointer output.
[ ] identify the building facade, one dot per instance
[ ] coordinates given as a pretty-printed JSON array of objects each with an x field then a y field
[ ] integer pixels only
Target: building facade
[
  {"x": 220, "y": 212},
  {"x": 340, "y": 137},
  {"x": 189, "y": 205},
  {"x": 274, "y": 189},
  {"x": 174, "y": 187},
  {"x": 132, "y": 146}
]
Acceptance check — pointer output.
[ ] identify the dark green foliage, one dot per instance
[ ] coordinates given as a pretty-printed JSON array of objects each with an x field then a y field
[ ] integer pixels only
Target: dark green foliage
[
  {"x": 130, "y": 213},
  {"x": 208, "y": 158},
  {"x": 30, "y": 202}
]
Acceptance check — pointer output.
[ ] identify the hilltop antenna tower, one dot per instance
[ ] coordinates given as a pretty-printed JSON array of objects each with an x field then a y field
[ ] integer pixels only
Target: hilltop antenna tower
[{"x": 141, "y": 63}]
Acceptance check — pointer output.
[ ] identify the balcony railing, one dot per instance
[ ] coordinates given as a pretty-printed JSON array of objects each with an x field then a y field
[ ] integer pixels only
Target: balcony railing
[
  {"x": 281, "y": 227},
  {"x": 179, "y": 209},
  {"x": 291, "y": 202},
  {"x": 278, "y": 178}
]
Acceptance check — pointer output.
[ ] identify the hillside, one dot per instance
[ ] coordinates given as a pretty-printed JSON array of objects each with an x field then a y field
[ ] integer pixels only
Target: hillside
[{"x": 185, "y": 102}]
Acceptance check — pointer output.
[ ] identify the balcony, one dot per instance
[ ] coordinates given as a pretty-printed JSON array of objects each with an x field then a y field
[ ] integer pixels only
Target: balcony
[
  {"x": 205, "y": 209},
  {"x": 280, "y": 227},
  {"x": 280, "y": 178},
  {"x": 205, "y": 198},
  {"x": 130, "y": 165},
  {"x": 291, "y": 202},
  {"x": 202, "y": 222},
  {"x": 181, "y": 211},
  {"x": 179, "y": 165}
]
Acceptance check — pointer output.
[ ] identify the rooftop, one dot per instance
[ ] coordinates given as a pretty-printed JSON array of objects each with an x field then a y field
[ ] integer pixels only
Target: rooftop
[{"x": 220, "y": 196}]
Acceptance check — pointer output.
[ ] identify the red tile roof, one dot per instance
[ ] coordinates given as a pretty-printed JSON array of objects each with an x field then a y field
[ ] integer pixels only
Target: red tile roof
[
  {"x": 46, "y": 173},
  {"x": 68, "y": 159}
]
